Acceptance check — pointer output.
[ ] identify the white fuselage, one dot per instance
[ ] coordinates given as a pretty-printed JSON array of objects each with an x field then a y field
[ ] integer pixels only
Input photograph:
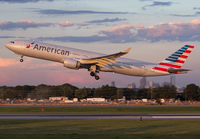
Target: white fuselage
[{"x": 60, "y": 53}]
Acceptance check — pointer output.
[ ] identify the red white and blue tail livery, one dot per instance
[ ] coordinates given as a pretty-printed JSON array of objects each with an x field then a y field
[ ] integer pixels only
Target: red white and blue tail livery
[
  {"x": 96, "y": 62},
  {"x": 173, "y": 63}
]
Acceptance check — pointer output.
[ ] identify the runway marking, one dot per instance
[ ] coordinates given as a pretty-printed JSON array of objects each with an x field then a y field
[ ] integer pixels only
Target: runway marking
[{"x": 176, "y": 117}]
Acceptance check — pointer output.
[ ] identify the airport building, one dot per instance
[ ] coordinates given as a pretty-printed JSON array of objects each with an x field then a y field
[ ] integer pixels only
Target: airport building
[
  {"x": 58, "y": 98},
  {"x": 96, "y": 99}
]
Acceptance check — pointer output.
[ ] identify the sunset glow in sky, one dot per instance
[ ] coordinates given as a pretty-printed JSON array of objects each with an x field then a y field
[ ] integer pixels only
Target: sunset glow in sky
[{"x": 153, "y": 29}]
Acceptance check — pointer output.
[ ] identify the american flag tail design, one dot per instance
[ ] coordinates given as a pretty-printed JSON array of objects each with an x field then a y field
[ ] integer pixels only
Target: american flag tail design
[{"x": 173, "y": 63}]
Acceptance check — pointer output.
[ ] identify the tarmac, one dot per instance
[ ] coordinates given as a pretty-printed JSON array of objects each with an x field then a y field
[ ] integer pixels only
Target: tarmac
[{"x": 100, "y": 117}]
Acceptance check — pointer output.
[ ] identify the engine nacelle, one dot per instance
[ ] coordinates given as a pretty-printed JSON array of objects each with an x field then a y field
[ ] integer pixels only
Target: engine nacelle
[{"x": 72, "y": 64}]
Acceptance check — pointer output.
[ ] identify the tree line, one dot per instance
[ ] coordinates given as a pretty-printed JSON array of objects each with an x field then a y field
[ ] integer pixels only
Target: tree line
[{"x": 42, "y": 91}]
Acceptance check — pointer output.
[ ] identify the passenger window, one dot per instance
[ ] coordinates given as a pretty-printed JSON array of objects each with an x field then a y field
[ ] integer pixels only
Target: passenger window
[{"x": 12, "y": 42}]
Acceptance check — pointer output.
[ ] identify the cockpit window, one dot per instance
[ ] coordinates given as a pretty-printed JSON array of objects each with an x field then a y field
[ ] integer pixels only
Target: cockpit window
[{"x": 12, "y": 42}]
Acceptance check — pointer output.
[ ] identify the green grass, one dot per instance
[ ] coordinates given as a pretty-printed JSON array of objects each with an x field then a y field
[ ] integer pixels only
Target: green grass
[
  {"x": 111, "y": 129},
  {"x": 97, "y": 129},
  {"x": 97, "y": 110}
]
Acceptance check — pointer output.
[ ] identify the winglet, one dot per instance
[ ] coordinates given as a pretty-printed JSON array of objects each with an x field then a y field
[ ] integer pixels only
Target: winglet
[{"x": 127, "y": 50}]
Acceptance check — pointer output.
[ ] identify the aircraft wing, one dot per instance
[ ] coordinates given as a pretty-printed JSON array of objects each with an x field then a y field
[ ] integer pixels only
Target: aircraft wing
[{"x": 104, "y": 60}]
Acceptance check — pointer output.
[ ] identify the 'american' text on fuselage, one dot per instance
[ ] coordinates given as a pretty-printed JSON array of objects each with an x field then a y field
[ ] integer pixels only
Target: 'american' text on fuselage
[{"x": 51, "y": 50}]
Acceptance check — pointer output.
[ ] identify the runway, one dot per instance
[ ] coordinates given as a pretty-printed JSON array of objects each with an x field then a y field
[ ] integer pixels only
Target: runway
[{"x": 99, "y": 116}]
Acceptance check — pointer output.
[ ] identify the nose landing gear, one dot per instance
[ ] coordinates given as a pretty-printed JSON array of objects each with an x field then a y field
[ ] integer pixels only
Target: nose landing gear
[{"x": 21, "y": 60}]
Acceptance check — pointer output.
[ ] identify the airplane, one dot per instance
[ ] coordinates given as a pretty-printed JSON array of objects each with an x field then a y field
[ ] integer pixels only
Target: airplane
[{"x": 96, "y": 62}]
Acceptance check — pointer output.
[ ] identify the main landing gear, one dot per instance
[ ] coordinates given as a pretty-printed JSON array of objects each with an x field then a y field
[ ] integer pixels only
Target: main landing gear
[
  {"x": 93, "y": 70},
  {"x": 21, "y": 60},
  {"x": 94, "y": 75}
]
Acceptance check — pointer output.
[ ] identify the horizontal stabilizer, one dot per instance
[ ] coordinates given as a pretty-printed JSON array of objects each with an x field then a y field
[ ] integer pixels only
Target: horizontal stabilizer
[{"x": 172, "y": 70}]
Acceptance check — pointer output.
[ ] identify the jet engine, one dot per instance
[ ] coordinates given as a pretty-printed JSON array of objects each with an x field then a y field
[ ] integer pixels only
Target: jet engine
[{"x": 72, "y": 64}]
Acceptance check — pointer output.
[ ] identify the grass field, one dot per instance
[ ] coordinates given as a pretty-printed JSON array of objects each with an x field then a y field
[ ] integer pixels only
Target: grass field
[
  {"x": 112, "y": 129},
  {"x": 97, "y": 129},
  {"x": 97, "y": 110}
]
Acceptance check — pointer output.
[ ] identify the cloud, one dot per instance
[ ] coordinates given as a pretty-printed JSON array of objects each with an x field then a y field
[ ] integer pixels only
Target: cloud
[
  {"x": 197, "y": 13},
  {"x": 192, "y": 15},
  {"x": 196, "y": 8},
  {"x": 65, "y": 24},
  {"x": 83, "y": 24},
  {"x": 67, "y": 12},
  {"x": 7, "y": 62},
  {"x": 179, "y": 15},
  {"x": 121, "y": 34},
  {"x": 106, "y": 20},
  {"x": 4, "y": 37},
  {"x": 23, "y": 1},
  {"x": 30, "y": 72},
  {"x": 114, "y": 35},
  {"x": 82, "y": 39},
  {"x": 144, "y": 0},
  {"x": 120, "y": 31},
  {"x": 158, "y": 3},
  {"x": 173, "y": 31},
  {"x": 87, "y": 23},
  {"x": 28, "y": 64},
  {"x": 189, "y": 15},
  {"x": 23, "y": 24},
  {"x": 68, "y": 24}
]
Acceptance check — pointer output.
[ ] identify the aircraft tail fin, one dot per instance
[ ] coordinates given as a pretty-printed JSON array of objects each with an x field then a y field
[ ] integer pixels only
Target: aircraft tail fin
[{"x": 175, "y": 61}]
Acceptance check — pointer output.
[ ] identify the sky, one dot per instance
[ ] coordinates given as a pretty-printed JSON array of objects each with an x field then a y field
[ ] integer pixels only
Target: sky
[{"x": 153, "y": 29}]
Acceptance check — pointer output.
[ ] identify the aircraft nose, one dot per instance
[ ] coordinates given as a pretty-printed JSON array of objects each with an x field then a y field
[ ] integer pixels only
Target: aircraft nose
[{"x": 7, "y": 45}]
